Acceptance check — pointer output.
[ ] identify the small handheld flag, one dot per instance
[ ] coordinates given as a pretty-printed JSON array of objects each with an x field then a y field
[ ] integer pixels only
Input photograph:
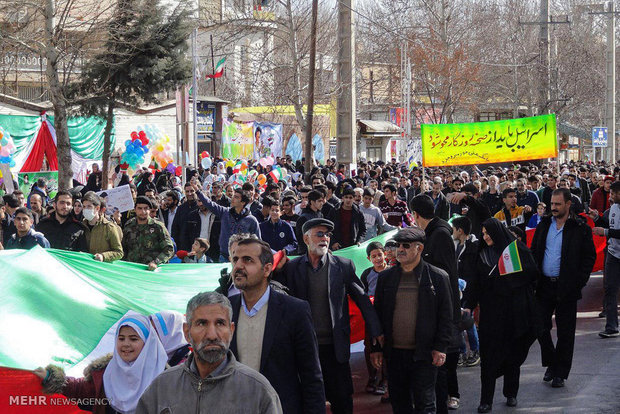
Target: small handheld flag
[{"x": 509, "y": 262}]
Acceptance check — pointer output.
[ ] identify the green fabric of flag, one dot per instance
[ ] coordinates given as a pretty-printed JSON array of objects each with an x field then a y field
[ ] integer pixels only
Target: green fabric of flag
[{"x": 56, "y": 305}]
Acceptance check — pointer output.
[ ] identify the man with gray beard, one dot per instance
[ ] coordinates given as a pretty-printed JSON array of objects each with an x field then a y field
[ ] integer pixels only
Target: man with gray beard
[
  {"x": 211, "y": 380},
  {"x": 326, "y": 282}
]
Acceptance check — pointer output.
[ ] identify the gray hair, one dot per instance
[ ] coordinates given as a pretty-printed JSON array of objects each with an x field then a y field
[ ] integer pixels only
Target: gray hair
[
  {"x": 207, "y": 298},
  {"x": 237, "y": 237}
]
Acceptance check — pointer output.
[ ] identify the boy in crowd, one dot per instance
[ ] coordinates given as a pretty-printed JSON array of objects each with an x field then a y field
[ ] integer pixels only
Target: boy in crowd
[{"x": 376, "y": 380}]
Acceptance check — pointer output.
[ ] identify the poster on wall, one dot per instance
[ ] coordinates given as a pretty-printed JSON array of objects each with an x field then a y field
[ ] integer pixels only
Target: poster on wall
[
  {"x": 25, "y": 181},
  {"x": 205, "y": 118},
  {"x": 267, "y": 140},
  {"x": 237, "y": 139},
  {"x": 393, "y": 151}
]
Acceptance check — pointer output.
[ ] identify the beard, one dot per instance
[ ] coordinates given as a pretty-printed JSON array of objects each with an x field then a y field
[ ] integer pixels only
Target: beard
[
  {"x": 318, "y": 250},
  {"x": 210, "y": 356}
]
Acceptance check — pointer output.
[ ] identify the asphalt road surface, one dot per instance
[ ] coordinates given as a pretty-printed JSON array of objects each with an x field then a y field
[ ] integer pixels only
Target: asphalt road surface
[{"x": 593, "y": 385}]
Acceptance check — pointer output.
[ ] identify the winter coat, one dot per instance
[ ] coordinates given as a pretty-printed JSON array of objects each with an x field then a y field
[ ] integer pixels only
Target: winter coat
[
  {"x": 442, "y": 207},
  {"x": 33, "y": 238},
  {"x": 508, "y": 323},
  {"x": 105, "y": 238},
  {"x": 90, "y": 386},
  {"x": 69, "y": 235},
  {"x": 439, "y": 251},
  {"x": 434, "y": 325},
  {"x": 357, "y": 231},
  {"x": 578, "y": 256},
  {"x": 237, "y": 389},
  {"x": 279, "y": 235},
  {"x": 600, "y": 200},
  {"x": 232, "y": 222}
]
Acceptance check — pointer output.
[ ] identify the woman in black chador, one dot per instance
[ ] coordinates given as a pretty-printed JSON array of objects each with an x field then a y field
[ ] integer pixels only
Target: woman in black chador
[{"x": 508, "y": 322}]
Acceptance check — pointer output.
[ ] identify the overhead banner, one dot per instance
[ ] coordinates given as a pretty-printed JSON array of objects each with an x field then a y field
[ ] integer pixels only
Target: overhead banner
[
  {"x": 237, "y": 139},
  {"x": 267, "y": 140},
  {"x": 489, "y": 142}
]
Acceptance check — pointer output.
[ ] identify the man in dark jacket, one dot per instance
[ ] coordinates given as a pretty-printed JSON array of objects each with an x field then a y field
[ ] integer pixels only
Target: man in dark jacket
[
  {"x": 438, "y": 252},
  {"x": 349, "y": 223},
  {"x": 61, "y": 229},
  {"x": 413, "y": 302},
  {"x": 476, "y": 210},
  {"x": 182, "y": 214},
  {"x": 25, "y": 237},
  {"x": 236, "y": 219},
  {"x": 440, "y": 204},
  {"x": 275, "y": 231},
  {"x": 316, "y": 199},
  {"x": 327, "y": 282},
  {"x": 200, "y": 223},
  {"x": 274, "y": 333},
  {"x": 565, "y": 254}
]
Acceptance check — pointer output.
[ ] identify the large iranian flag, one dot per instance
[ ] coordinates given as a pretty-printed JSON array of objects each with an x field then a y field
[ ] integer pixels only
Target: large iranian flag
[{"x": 61, "y": 307}]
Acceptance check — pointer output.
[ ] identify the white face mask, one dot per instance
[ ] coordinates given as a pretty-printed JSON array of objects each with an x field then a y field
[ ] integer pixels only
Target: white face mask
[{"x": 89, "y": 213}]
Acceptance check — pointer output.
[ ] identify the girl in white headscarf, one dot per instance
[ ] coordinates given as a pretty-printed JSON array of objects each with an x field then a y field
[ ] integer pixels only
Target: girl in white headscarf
[
  {"x": 117, "y": 381},
  {"x": 169, "y": 327}
]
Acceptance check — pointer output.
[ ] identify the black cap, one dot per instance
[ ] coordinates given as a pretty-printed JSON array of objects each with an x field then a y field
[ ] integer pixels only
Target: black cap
[
  {"x": 390, "y": 243},
  {"x": 317, "y": 222},
  {"x": 409, "y": 235},
  {"x": 144, "y": 200}
]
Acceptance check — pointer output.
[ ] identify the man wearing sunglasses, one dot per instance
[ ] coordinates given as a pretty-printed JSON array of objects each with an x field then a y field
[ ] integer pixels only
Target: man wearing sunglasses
[
  {"x": 326, "y": 281},
  {"x": 413, "y": 302}
]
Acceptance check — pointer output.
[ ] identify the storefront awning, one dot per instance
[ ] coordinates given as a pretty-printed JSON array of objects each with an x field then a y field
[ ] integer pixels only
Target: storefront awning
[{"x": 379, "y": 128}]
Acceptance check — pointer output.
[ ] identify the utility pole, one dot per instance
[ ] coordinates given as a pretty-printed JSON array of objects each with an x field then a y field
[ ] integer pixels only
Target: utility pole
[
  {"x": 346, "y": 123},
  {"x": 544, "y": 42},
  {"x": 312, "y": 70},
  {"x": 194, "y": 99},
  {"x": 545, "y": 58},
  {"x": 610, "y": 95}
]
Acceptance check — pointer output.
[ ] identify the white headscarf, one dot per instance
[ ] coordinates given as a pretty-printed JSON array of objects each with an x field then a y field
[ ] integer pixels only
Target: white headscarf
[
  {"x": 125, "y": 382},
  {"x": 169, "y": 327}
]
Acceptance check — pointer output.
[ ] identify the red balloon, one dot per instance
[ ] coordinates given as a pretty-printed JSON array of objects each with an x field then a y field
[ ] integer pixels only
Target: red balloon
[
  {"x": 179, "y": 171},
  {"x": 142, "y": 134},
  {"x": 204, "y": 154},
  {"x": 134, "y": 136},
  {"x": 144, "y": 140}
]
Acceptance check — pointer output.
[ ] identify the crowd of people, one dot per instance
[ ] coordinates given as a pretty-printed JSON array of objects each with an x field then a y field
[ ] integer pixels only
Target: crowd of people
[{"x": 275, "y": 337}]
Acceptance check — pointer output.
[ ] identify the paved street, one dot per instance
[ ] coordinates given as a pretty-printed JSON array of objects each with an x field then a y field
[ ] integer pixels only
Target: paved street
[{"x": 593, "y": 385}]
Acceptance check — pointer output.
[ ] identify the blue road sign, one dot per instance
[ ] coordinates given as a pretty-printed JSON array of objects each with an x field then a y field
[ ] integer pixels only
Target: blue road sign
[{"x": 599, "y": 137}]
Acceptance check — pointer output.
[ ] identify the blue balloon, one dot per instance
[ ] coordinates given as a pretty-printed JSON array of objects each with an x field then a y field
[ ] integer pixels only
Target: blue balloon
[
  {"x": 12, "y": 163},
  {"x": 127, "y": 143}
]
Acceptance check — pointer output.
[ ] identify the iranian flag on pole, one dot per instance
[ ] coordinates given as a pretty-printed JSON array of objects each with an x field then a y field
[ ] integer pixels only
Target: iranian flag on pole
[
  {"x": 219, "y": 70},
  {"x": 509, "y": 262}
]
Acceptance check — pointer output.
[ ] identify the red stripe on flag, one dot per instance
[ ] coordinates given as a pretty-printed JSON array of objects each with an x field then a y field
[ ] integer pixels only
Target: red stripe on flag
[{"x": 20, "y": 393}]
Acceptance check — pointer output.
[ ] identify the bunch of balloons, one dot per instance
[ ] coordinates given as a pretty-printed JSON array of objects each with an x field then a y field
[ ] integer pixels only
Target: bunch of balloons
[
  {"x": 135, "y": 149},
  {"x": 206, "y": 160},
  {"x": 173, "y": 169},
  {"x": 159, "y": 144},
  {"x": 7, "y": 148}
]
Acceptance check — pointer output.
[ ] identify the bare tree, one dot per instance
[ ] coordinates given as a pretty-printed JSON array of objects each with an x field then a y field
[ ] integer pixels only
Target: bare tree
[{"x": 62, "y": 32}]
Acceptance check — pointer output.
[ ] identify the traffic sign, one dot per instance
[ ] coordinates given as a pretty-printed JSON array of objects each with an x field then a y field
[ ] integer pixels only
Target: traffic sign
[{"x": 599, "y": 137}]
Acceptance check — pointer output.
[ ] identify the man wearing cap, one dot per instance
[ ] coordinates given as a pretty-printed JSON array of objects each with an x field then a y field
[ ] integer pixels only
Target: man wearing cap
[
  {"x": 326, "y": 282},
  {"x": 350, "y": 226},
  {"x": 413, "y": 302},
  {"x": 146, "y": 240}
]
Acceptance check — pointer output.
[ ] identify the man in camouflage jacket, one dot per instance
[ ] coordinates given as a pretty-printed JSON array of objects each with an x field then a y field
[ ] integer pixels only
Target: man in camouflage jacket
[{"x": 146, "y": 240}]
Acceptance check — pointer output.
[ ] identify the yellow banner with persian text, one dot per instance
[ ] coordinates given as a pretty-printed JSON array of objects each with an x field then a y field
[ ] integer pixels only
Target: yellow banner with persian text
[{"x": 489, "y": 142}]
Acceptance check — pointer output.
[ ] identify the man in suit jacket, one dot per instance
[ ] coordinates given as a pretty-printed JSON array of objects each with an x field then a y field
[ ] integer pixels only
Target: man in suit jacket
[
  {"x": 172, "y": 219},
  {"x": 274, "y": 333},
  {"x": 326, "y": 281}
]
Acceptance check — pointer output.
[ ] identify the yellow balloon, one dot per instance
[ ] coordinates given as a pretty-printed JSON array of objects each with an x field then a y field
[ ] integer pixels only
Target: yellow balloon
[{"x": 230, "y": 163}]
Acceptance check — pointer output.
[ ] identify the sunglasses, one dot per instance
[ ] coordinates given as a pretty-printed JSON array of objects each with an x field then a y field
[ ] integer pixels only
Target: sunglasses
[
  {"x": 323, "y": 234},
  {"x": 405, "y": 245}
]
